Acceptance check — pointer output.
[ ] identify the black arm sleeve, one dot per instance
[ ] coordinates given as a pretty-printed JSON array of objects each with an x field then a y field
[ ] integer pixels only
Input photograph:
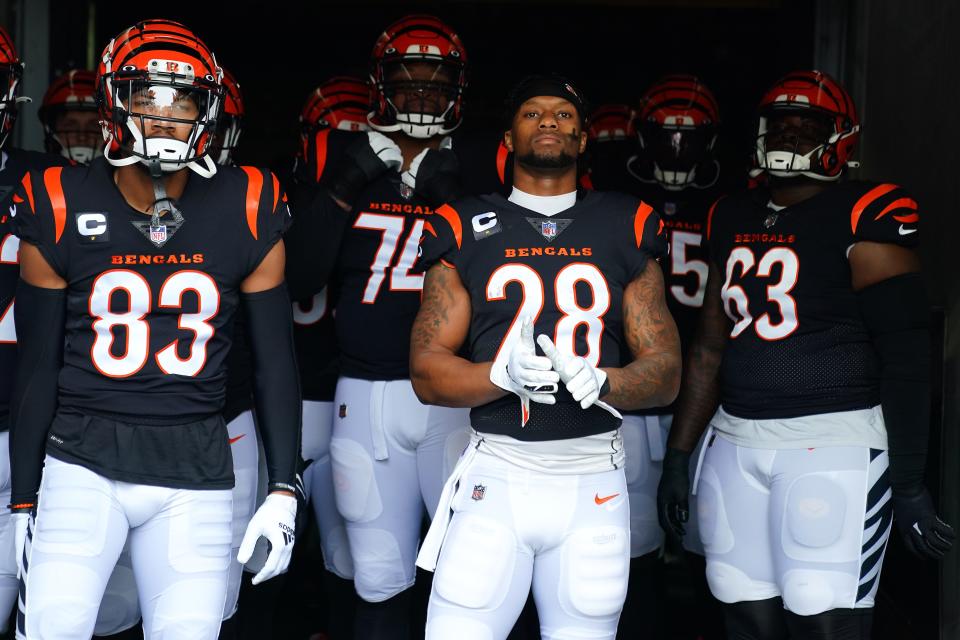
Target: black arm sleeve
[
  {"x": 40, "y": 315},
  {"x": 276, "y": 384},
  {"x": 897, "y": 315},
  {"x": 313, "y": 240}
]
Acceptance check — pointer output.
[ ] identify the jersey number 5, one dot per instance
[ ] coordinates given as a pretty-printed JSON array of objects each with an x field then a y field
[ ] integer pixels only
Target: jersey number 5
[
  {"x": 735, "y": 301},
  {"x": 137, "y": 330},
  {"x": 564, "y": 288}
]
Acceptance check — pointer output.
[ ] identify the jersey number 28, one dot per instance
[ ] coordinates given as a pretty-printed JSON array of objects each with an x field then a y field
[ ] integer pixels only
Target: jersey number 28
[{"x": 564, "y": 287}]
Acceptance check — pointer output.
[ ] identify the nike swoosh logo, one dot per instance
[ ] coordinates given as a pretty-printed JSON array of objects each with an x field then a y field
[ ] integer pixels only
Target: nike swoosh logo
[
  {"x": 905, "y": 232},
  {"x": 232, "y": 440},
  {"x": 599, "y": 500}
]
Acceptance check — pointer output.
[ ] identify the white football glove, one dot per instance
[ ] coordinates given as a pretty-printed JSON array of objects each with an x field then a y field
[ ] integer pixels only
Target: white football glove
[
  {"x": 21, "y": 521},
  {"x": 582, "y": 380},
  {"x": 523, "y": 372},
  {"x": 275, "y": 520},
  {"x": 386, "y": 149}
]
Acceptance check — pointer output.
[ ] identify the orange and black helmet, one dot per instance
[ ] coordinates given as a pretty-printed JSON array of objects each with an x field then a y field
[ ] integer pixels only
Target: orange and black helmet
[
  {"x": 74, "y": 91},
  {"x": 159, "y": 70},
  {"x": 342, "y": 102},
  {"x": 418, "y": 76},
  {"x": 809, "y": 93},
  {"x": 677, "y": 124},
  {"x": 11, "y": 71},
  {"x": 611, "y": 123}
]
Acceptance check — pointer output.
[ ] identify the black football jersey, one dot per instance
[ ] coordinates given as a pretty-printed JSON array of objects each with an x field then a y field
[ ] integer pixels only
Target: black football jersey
[
  {"x": 149, "y": 308},
  {"x": 15, "y": 163},
  {"x": 799, "y": 345},
  {"x": 568, "y": 272}
]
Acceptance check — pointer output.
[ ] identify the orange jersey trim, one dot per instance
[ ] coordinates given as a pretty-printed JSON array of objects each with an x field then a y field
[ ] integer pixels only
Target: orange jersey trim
[
  {"x": 28, "y": 187},
  {"x": 453, "y": 219},
  {"x": 51, "y": 181},
  {"x": 449, "y": 265},
  {"x": 502, "y": 153},
  {"x": 905, "y": 203},
  {"x": 639, "y": 220},
  {"x": 320, "y": 142},
  {"x": 713, "y": 208},
  {"x": 866, "y": 200},
  {"x": 254, "y": 188},
  {"x": 429, "y": 227}
]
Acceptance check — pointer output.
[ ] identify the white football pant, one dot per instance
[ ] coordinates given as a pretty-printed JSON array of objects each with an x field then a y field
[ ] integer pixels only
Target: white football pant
[
  {"x": 391, "y": 455},
  {"x": 318, "y": 482},
  {"x": 808, "y": 525},
  {"x": 567, "y": 535},
  {"x": 180, "y": 551}
]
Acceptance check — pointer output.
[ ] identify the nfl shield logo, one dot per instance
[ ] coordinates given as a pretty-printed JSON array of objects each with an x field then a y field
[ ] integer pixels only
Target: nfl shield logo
[
  {"x": 478, "y": 491},
  {"x": 548, "y": 229},
  {"x": 158, "y": 234},
  {"x": 670, "y": 208}
]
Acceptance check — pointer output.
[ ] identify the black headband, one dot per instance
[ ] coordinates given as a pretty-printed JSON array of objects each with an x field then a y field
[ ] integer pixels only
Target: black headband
[{"x": 546, "y": 85}]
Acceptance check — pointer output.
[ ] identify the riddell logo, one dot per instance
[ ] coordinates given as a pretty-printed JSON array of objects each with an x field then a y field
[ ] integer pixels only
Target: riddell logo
[{"x": 173, "y": 67}]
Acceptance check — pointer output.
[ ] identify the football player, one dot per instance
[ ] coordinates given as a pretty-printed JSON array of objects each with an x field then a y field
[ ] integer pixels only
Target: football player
[
  {"x": 13, "y": 164},
  {"x": 611, "y": 141},
  {"x": 71, "y": 124},
  {"x": 548, "y": 291},
  {"x": 675, "y": 170},
  {"x": 390, "y": 453},
  {"x": 823, "y": 384},
  {"x": 131, "y": 271}
]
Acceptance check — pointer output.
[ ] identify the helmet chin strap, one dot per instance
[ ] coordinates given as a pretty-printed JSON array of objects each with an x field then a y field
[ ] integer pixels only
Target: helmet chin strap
[{"x": 162, "y": 204}]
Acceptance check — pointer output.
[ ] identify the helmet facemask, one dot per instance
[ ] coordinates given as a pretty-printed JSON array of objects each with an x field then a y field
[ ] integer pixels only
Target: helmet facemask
[
  {"x": 227, "y": 139},
  {"x": 74, "y": 133},
  {"x": 419, "y": 96},
  {"x": 676, "y": 151},
  {"x": 170, "y": 119},
  {"x": 794, "y": 141},
  {"x": 10, "y": 76}
]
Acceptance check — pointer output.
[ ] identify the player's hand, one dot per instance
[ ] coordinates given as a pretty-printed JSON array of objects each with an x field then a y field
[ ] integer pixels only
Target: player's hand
[
  {"x": 525, "y": 373},
  {"x": 22, "y": 520},
  {"x": 275, "y": 520},
  {"x": 363, "y": 161},
  {"x": 673, "y": 493},
  {"x": 435, "y": 175},
  {"x": 582, "y": 379},
  {"x": 924, "y": 533}
]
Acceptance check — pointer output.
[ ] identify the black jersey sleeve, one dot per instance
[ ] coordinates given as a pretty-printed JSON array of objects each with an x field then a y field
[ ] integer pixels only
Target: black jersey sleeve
[
  {"x": 643, "y": 237},
  {"x": 321, "y": 153},
  {"x": 267, "y": 214},
  {"x": 442, "y": 239},
  {"x": 885, "y": 213},
  {"x": 41, "y": 213}
]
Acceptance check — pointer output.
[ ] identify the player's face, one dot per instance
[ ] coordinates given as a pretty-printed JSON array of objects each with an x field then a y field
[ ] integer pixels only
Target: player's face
[
  {"x": 796, "y": 132},
  {"x": 420, "y": 87},
  {"x": 78, "y": 128},
  {"x": 175, "y": 110},
  {"x": 546, "y": 133}
]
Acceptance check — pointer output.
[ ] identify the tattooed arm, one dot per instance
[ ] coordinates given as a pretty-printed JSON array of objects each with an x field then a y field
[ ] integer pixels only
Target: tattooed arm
[
  {"x": 653, "y": 377},
  {"x": 700, "y": 390},
  {"x": 438, "y": 374}
]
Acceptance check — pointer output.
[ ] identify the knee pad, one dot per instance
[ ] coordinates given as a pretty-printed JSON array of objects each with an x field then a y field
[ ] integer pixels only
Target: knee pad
[
  {"x": 729, "y": 584},
  {"x": 65, "y": 613},
  {"x": 445, "y": 625},
  {"x": 355, "y": 487},
  {"x": 476, "y": 563},
  {"x": 336, "y": 553},
  {"x": 596, "y": 567},
  {"x": 715, "y": 531},
  {"x": 816, "y": 510},
  {"x": 808, "y": 592},
  {"x": 120, "y": 606},
  {"x": 187, "y": 611},
  {"x": 380, "y": 572}
]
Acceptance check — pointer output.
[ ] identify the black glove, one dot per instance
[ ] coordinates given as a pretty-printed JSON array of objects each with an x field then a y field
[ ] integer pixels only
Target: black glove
[
  {"x": 364, "y": 160},
  {"x": 673, "y": 492},
  {"x": 925, "y": 534},
  {"x": 434, "y": 174}
]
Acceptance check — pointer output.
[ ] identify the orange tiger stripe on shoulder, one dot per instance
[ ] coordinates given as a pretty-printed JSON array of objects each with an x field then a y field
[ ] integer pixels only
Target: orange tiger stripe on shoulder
[
  {"x": 429, "y": 227},
  {"x": 276, "y": 192},
  {"x": 320, "y": 151},
  {"x": 51, "y": 182},
  {"x": 640, "y": 220},
  {"x": 254, "y": 189},
  {"x": 28, "y": 187},
  {"x": 899, "y": 203},
  {"x": 866, "y": 200},
  {"x": 450, "y": 214}
]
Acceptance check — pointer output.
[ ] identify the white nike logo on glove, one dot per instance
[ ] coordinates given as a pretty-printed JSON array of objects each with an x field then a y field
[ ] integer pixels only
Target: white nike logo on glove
[{"x": 905, "y": 232}]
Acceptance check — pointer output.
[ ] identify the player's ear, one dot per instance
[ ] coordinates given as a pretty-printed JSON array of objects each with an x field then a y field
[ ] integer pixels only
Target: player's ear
[
  {"x": 583, "y": 141},
  {"x": 508, "y": 140}
]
